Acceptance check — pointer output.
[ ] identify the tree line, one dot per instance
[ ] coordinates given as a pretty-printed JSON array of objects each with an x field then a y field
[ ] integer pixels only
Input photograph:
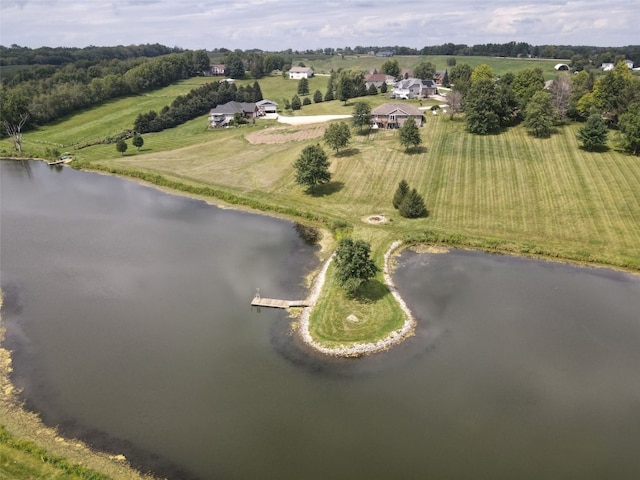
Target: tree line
[
  {"x": 52, "y": 94},
  {"x": 197, "y": 102},
  {"x": 17, "y": 55},
  {"x": 491, "y": 104}
]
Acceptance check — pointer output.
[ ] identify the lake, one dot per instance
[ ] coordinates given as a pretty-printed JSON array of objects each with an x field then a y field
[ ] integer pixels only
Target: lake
[{"x": 127, "y": 310}]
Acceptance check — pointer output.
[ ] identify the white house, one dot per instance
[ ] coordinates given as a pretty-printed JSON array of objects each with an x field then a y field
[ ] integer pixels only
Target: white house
[
  {"x": 412, "y": 88},
  {"x": 266, "y": 106},
  {"x": 296, "y": 73}
]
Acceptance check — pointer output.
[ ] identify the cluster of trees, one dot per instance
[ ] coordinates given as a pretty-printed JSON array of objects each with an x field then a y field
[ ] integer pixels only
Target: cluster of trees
[
  {"x": 408, "y": 201},
  {"x": 51, "y": 94},
  {"x": 197, "y": 102},
  {"x": 491, "y": 104},
  {"x": 137, "y": 141}
]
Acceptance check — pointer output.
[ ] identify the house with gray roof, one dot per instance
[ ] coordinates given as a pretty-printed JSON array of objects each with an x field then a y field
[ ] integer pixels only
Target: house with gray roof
[
  {"x": 413, "y": 88},
  {"x": 393, "y": 115},
  {"x": 222, "y": 115}
]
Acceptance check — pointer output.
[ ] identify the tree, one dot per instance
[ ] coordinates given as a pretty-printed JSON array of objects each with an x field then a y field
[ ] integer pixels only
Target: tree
[
  {"x": 401, "y": 192},
  {"x": 526, "y": 83},
  {"x": 353, "y": 264},
  {"x": 593, "y": 134},
  {"x": 560, "y": 95},
  {"x": 391, "y": 67},
  {"x": 234, "y": 65},
  {"x": 15, "y": 114},
  {"x": 137, "y": 141},
  {"x": 312, "y": 168},
  {"x": 383, "y": 87},
  {"x": 482, "y": 107},
  {"x": 361, "y": 115},
  {"x": 306, "y": 101},
  {"x": 14, "y": 130},
  {"x": 460, "y": 77},
  {"x": 412, "y": 205},
  {"x": 615, "y": 91},
  {"x": 454, "y": 99},
  {"x": 424, "y": 70},
  {"x": 121, "y": 147},
  {"x": 482, "y": 72},
  {"x": 330, "y": 88},
  {"x": 629, "y": 126},
  {"x": 337, "y": 135},
  {"x": 372, "y": 90},
  {"x": 317, "y": 96},
  {"x": 303, "y": 86},
  {"x": 539, "y": 117},
  {"x": 409, "y": 134},
  {"x": 295, "y": 103}
]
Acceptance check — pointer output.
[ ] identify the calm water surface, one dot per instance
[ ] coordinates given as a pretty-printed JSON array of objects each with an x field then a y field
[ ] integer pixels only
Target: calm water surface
[{"x": 128, "y": 313}]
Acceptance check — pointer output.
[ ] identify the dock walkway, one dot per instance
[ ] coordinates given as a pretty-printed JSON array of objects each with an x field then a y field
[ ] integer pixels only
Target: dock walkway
[{"x": 274, "y": 303}]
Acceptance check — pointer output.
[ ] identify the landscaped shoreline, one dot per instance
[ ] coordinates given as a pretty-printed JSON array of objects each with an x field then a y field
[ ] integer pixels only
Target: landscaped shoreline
[{"x": 358, "y": 349}]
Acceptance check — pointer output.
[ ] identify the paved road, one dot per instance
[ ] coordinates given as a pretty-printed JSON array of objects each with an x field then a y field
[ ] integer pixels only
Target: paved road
[{"x": 310, "y": 119}]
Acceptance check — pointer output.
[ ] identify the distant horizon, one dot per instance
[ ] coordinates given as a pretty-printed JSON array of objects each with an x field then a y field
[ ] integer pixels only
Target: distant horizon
[
  {"x": 278, "y": 25},
  {"x": 316, "y": 51}
]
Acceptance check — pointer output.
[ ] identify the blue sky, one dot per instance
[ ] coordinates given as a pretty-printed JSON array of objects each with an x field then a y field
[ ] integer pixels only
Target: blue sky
[{"x": 311, "y": 24}]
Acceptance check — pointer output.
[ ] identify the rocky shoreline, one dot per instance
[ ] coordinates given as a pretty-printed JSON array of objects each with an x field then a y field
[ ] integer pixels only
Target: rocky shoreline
[{"x": 358, "y": 349}]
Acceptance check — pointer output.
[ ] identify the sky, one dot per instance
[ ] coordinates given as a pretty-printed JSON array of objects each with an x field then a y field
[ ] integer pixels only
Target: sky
[{"x": 275, "y": 25}]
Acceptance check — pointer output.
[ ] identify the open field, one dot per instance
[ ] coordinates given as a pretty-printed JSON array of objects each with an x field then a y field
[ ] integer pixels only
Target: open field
[{"x": 500, "y": 65}]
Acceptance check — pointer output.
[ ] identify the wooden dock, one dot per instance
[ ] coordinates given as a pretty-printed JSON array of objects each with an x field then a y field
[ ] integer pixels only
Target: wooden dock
[{"x": 274, "y": 303}]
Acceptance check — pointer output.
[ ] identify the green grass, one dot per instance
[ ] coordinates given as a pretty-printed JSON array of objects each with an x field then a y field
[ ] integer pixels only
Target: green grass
[
  {"x": 20, "y": 459},
  {"x": 367, "y": 63}
]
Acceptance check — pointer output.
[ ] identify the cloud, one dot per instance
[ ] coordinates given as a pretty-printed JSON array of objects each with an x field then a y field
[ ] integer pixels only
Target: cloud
[{"x": 282, "y": 24}]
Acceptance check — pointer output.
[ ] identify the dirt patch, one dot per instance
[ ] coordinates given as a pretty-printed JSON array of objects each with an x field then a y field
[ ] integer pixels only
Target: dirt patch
[
  {"x": 286, "y": 134},
  {"x": 376, "y": 219}
]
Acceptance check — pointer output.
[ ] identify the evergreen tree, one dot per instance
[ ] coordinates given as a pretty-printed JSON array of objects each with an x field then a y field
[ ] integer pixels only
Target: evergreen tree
[
  {"x": 303, "y": 86},
  {"x": 257, "y": 92},
  {"x": 295, "y": 103},
  {"x": 330, "y": 89},
  {"x": 306, "y": 101},
  {"x": 401, "y": 192},
  {"x": 383, "y": 88},
  {"x": 413, "y": 205},
  {"x": 593, "y": 134},
  {"x": 372, "y": 90},
  {"x": 409, "y": 134},
  {"x": 312, "y": 167},
  {"x": 317, "y": 96},
  {"x": 445, "y": 79},
  {"x": 353, "y": 264}
]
